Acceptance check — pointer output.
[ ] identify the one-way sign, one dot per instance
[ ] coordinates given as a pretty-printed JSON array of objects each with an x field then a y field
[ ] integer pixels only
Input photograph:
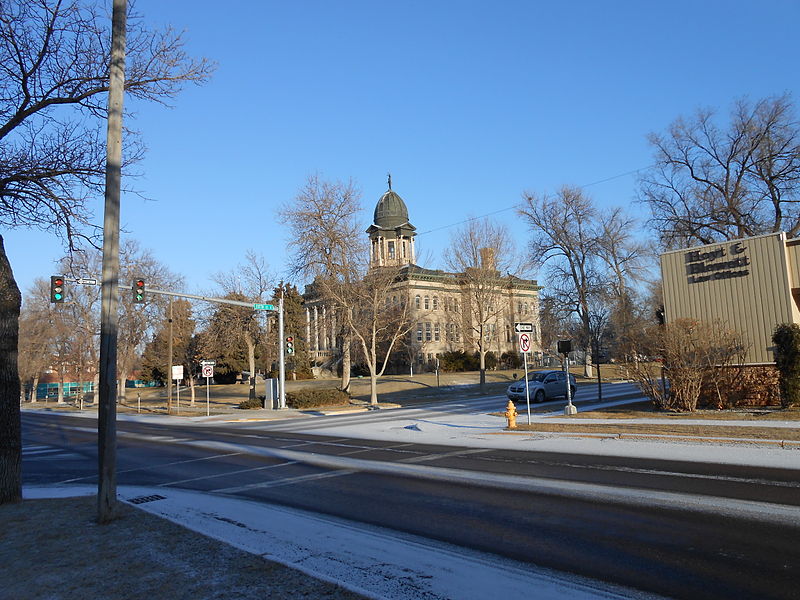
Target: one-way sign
[{"x": 520, "y": 327}]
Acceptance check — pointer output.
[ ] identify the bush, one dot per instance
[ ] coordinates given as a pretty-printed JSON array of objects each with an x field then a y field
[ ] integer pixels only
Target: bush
[
  {"x": 787, "y": 360},
  {"x": 511, "y": 360},
  {"x": 252, "y": 403},
  {"x": 315, "y": 398},
  {"x": 695, "y": 355}
]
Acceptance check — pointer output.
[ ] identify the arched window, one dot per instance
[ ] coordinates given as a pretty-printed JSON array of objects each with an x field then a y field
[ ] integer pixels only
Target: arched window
[
  {"x": 416, "y": 301},
  {"x": 427, "y": 303}
]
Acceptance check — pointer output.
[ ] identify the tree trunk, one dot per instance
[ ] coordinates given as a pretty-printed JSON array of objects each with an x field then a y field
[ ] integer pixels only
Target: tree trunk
[
  {"x": 10, "y": 427},
  {"x": 373, "y": 387},
  {"x": 251, "y": 358},
  {"x": 33, "y": 390},
  {"x": 190, "y": 379},
  {"x": 61, "y": 386},
  {"x": 587, "y": 364},
  {"x": 482, "y": 354},
  {"x": 346, "y": 363},
  {"x": 123, "y": 377}
]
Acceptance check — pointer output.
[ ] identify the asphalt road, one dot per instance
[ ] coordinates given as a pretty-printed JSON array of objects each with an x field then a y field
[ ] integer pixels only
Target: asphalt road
[{"x": 684, "y": 530}]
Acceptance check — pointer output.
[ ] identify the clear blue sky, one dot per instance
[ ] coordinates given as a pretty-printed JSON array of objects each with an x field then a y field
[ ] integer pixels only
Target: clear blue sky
[{"x": 466, "y": 103}]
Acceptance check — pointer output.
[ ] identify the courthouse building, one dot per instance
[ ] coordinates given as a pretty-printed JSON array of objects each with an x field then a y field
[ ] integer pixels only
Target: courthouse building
[
  {"x": 443, "y": 318},
  {"x": 750, "y": 285}
]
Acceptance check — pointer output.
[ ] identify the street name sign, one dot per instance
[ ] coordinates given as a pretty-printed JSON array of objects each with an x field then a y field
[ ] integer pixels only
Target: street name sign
[
  {"x": 263, "y": 307},
  {"x": 520, "y": 327}
]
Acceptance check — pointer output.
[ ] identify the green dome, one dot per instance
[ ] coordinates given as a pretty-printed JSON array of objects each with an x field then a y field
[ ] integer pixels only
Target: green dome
[{"x": 391, "y": 211}]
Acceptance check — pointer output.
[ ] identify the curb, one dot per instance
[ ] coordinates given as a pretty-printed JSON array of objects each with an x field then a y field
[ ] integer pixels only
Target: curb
[{"x": 785, "y": 444}]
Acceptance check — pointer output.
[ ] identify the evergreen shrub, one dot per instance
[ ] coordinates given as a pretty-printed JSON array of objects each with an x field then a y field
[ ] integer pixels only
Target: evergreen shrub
[
  {"x": 314, "y": 398},
  {"x": 787, "y": 359}
]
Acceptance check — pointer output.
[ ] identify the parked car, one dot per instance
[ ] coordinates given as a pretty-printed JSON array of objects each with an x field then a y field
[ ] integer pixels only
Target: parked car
[{"x": 543, "y": 385}]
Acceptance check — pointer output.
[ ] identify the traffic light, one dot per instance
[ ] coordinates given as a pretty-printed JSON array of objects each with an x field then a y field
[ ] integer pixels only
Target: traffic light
[
  {"x": 138, "y": 291},
  {"x": 57, "y": 289},
  {"x": 289, "y": 344}
]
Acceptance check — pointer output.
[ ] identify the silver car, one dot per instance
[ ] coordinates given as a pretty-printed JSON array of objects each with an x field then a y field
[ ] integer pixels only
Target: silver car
[{"x": 543, "y": 385}]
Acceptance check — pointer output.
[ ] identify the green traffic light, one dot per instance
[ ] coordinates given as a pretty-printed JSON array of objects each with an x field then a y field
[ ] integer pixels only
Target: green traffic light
[{"x": 57, "y": 296}]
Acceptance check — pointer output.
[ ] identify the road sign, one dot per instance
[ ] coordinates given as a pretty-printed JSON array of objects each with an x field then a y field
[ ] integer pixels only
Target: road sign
[
  {"x": 520, "y": 327},
  {"x": 177, "y": 371},
  {"x": 263, "y": 307},
  {"x": 208, "y": 370},
  {"x": 86, "y": 281},
  {"x": 524, "y": 342},
  {"x": 208, "y": 362}
]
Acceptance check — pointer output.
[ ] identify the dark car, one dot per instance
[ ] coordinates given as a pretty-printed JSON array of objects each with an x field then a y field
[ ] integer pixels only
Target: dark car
[{"x": 542, "y": 385}]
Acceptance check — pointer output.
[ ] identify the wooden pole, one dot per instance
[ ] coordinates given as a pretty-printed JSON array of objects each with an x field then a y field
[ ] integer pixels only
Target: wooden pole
[{"x": 109, "y": 310}]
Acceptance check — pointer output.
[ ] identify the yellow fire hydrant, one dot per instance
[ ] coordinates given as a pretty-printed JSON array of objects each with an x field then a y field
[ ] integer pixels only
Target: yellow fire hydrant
[{"x": 511, "y": 415}]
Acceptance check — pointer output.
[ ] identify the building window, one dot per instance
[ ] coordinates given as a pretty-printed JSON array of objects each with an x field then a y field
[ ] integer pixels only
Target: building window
[
  {"x": 519, "y": 308},
  {"x": 391, "y": 250},
  {"x": 436, "y": 337},
  {"x": 525, "y": 308},
  {"x": 436, "y": 303},
  {"x": 427, "y": 303},
  {"x": 420, "y": 358},
  {"x": 428, "y": 332},
  {"x": 457, "y": 333},
  {"x": 416, "y": 301},
  {"x": 430, "y": 358},
  {"x": 419, "y": 332}
]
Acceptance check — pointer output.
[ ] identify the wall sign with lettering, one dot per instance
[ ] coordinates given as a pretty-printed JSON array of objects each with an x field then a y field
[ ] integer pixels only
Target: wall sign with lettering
[{"x": 722, "y": 263}]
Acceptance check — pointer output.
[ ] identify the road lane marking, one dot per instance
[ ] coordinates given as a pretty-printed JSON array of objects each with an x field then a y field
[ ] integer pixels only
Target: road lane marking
[
  {"x": 282, "y": 482},
  {"x": 227, "y": 473}
]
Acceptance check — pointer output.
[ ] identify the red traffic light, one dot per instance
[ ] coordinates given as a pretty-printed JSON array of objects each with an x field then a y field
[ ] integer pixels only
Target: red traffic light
[
  {"x": 289, "y": 339},
  {"x": 138, "y": 291},
  {"x": 56, "y": 289}
]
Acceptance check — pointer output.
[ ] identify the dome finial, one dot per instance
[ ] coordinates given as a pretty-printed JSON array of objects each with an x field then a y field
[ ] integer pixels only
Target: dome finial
[{"x": 390, "y": 180}]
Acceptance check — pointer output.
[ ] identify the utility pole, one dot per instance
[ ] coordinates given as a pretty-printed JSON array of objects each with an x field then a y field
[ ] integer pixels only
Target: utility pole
[
  {"x": 281, "y": 356},
  {"x": 169, "y": 364},
  {"x": 109, "y": 319}
]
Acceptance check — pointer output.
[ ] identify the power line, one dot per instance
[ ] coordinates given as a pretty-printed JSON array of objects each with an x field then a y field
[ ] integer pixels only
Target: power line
[{"x": 514, "y": 207}]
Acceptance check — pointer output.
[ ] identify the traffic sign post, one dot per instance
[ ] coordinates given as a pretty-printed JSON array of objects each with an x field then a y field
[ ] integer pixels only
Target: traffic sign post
[
  {"x": 524, "y": 331},
  {"x": 207, "y": 368},
  {"x": 177, "y": 375}
]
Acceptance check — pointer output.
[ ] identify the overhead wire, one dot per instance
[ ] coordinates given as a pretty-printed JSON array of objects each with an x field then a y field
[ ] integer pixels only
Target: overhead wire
[{"x": 514, "y": 207}]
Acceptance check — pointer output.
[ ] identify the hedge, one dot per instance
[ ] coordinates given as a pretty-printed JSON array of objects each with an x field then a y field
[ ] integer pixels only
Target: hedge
[{"x": 315, "y": 398}]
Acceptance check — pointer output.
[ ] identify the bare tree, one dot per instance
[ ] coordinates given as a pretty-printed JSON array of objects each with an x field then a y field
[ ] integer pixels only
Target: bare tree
[
  {"x": 376, "y": 322},
  {"x": 328, "y": 244},
  {"x": 232, "y": 325},
  {"x": 565, "y": 241},
  {"x": 712, "y": 183},
  {"x": 35, "y": 336},
  {"x": 482, "y": 253},
  {"x": 55, "y": 57}
]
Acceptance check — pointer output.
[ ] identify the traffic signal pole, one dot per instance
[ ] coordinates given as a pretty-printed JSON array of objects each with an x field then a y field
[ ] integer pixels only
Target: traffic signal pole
[{"x": 281, "y": 357}]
